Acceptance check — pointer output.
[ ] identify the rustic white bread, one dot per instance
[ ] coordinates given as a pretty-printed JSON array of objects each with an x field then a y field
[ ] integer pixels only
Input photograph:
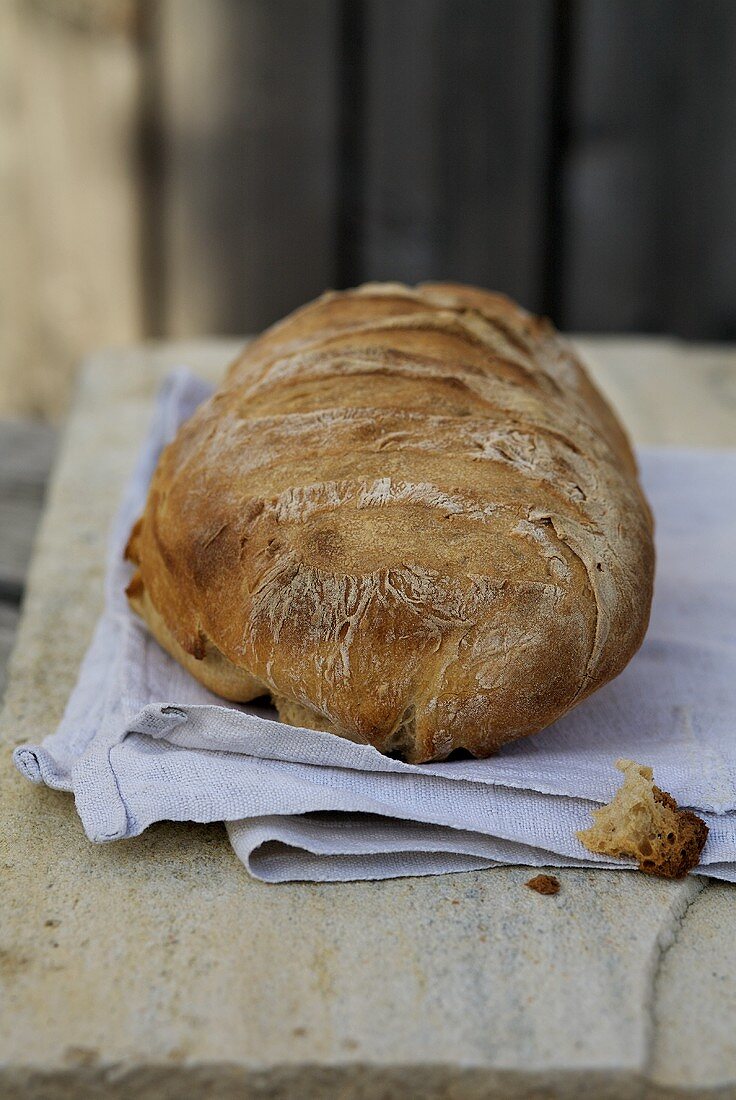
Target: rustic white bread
[
  {"x": 409, "y": 517},
  {"x": 644, "y": 823}
]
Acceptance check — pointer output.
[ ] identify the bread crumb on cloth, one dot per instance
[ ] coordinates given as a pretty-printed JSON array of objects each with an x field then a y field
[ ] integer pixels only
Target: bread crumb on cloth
[
  {"x": 644, "y": 822},
  {"x": 544, "y": 884}
]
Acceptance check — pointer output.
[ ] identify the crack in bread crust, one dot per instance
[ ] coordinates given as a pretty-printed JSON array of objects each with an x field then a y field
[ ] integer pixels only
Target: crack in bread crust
[{"x": 409, "y": 516}]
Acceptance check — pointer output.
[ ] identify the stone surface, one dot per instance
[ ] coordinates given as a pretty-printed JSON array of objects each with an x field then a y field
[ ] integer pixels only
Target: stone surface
[
  {"x": 157, "y": 968},
  {"x": 667, "y": 391}
]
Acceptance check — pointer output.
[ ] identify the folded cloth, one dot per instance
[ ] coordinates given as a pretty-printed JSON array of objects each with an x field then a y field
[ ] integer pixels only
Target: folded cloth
[{"x": 141, "y": 741}]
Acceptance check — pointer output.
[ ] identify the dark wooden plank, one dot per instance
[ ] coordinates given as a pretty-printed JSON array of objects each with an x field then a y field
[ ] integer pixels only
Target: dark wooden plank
[
  {"x": 248, "y": 108},
  {"x": 26, "y": 453},
  {"x": 650, "y": 176},
  {"x": 456, "y": 96}
]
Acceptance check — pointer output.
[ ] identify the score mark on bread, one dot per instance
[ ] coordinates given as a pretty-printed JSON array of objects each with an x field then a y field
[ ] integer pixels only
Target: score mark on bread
[{"x": 645, "y": 823}]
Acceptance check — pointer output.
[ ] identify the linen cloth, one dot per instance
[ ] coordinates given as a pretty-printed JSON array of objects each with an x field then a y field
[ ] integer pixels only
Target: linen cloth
[{"x": 142, "y": 741}]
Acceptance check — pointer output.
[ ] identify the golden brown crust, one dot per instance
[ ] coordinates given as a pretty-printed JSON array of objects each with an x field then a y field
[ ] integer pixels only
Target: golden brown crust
[
  {"x": 210, "y": 666},
  {"x": 408, "y": 512},
  {"x": 644, "y": 822}
]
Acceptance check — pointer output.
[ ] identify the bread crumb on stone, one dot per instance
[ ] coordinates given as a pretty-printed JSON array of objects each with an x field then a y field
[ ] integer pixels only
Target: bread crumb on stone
[
  {"x": 644, "y": 822},
  {"x": 544, "y": 884}
]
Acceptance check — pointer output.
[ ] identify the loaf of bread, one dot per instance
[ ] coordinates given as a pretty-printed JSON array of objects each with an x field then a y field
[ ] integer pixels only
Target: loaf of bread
[{"x": 407, "y": 515}]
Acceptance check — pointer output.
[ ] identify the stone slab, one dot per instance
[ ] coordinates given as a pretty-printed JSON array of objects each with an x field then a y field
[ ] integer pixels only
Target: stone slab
[{"x": 157, "y": 968}]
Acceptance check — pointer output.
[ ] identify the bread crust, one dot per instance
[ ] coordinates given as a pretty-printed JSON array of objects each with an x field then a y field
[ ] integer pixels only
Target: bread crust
[{"x": 409, "y": 516}]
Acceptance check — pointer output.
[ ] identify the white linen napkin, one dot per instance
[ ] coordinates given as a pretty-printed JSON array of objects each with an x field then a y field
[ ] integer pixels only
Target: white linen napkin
[{"x": 141, "y": 741}]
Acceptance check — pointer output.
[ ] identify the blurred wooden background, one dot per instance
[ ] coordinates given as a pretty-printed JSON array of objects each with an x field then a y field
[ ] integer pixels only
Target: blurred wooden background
[{"x": 180, "y": 167}]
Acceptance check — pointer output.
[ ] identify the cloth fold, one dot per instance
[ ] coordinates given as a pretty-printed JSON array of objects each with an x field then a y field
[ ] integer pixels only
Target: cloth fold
[{"x": 141, "y": 741}]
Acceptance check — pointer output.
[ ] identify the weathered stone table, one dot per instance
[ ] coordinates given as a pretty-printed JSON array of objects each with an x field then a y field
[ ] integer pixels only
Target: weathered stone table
[{"x": 156, "y": 968}]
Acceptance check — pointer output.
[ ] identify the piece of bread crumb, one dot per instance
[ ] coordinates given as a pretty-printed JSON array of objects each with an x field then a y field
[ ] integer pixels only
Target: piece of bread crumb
[
  {"x": 544, "y": 884},
  {"x": 644, "y": 822}
]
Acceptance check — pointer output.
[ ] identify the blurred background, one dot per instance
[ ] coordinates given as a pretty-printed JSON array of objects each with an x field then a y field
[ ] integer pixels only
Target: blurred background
[{"x": 176, "y": 168}]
